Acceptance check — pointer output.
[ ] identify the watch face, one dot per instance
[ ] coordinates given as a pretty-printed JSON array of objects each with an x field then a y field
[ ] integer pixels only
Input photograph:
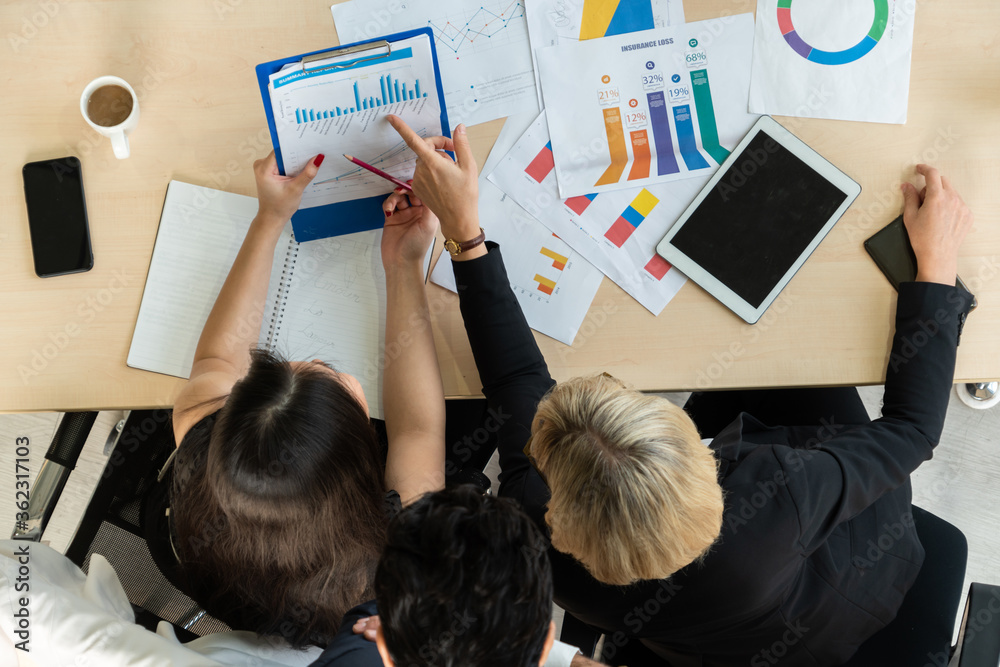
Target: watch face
[{"x": 451, "y": 246}]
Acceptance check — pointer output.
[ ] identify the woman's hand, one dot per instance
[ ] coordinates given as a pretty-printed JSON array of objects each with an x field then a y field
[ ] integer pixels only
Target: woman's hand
[
  {"x": 409, "y": 229},
  {"x": 450, "y": 188},
  {"x": 937, "y": 221},
  {"x": 279, "y": 196},
  {"x": 367, "y": 627}
]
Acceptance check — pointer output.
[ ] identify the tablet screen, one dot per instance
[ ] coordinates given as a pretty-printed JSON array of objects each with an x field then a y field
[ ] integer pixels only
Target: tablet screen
[{"x": 758, "y": 219}]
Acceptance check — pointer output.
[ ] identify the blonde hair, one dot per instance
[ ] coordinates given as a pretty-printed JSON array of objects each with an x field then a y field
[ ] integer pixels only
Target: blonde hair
[{"x": 635, "y": 493}]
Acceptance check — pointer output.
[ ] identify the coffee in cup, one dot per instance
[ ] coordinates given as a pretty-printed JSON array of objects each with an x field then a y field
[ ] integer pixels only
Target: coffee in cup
[{"x": 110, "y": 106}]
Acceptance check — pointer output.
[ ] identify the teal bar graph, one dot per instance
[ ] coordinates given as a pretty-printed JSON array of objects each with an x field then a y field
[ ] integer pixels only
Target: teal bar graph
[{"x": 392, "y": 90}]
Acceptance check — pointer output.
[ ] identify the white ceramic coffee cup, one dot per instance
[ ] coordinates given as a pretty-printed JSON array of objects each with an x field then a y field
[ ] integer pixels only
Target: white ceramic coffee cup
[{"x": 118, "y": 133}]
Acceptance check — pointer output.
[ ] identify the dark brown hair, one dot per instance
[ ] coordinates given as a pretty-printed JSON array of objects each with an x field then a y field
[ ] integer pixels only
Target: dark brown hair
[{"x": 279, "y": 508}]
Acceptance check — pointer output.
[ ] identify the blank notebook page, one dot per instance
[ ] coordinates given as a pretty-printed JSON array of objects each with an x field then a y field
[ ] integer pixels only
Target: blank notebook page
[
  {"x": 334, "y": 309},
  {"x": 200, "y": 233}
]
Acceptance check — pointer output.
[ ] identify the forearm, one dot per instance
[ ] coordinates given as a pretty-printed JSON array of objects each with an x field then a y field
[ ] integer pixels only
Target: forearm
[
  {"x": 233, "y": 326},
  {"x": 502, "y": 343},
  {"x": 511, "y": 367},
  {"x": 413, "y": 395},
  {"x": 921, "y": 365}
]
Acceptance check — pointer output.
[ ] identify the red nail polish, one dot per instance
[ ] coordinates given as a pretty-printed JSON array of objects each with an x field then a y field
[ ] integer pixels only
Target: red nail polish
[
  {"x": 388, "y": 213},
  {"x": 319, "y": 159}
]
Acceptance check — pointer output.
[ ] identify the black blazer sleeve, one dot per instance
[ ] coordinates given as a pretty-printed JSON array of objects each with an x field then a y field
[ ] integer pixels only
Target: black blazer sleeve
[
  {"x": 511, "y": 367},
  {"x": 856, "y": 466},
  {"x": 348, "y": 649}
]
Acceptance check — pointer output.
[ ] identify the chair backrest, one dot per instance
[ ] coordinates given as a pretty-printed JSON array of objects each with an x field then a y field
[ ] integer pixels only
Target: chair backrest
[
  {"x": 113, "y": 526},
  {"x": 979, "y": 634}
]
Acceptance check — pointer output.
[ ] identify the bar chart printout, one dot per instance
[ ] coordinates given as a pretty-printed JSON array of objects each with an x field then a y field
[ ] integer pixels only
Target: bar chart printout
[
  {"x": 391, "y": 93},
  {"x": 552, "y": 22},
  {"x": 342, "y": 110},
  {"x": 665, "y": 104},
  {"x": 529, "y": 249},
  {"x": 616, "y": 231}
]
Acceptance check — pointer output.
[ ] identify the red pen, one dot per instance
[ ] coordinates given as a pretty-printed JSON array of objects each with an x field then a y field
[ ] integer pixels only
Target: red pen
[{"x": 379, "y": 172}]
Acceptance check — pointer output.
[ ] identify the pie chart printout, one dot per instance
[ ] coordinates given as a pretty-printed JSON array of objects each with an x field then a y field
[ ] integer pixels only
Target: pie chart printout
[{"x": 836, "y": 59}]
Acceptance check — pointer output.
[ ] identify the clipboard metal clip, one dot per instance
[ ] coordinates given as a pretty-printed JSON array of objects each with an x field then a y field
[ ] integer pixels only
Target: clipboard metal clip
[{"x": 359, "y": 48}]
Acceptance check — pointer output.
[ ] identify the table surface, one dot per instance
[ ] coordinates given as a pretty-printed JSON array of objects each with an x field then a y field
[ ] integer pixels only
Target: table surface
[{"x": 192, "y": 64}]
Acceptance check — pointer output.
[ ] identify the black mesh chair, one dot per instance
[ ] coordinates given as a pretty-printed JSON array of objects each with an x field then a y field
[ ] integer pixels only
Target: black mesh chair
[{"x": 921, "y": 633}]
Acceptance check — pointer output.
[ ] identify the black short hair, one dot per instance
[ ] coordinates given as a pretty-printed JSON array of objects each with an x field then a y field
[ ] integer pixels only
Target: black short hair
[{"x": 464, "y": 580}]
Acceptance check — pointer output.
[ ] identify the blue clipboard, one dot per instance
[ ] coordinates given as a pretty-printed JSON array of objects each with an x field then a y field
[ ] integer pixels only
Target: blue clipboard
[{"x": 358, "y": 215}]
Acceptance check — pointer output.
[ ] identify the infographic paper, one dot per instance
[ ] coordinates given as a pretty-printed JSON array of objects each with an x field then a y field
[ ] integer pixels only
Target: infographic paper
[
  {"x": 647, "y": 107},
  {"x": 552, "y": 22}
]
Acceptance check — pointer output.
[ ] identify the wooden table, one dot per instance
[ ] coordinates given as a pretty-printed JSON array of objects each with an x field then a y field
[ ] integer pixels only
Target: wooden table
[{"x": 66, "y": 339}]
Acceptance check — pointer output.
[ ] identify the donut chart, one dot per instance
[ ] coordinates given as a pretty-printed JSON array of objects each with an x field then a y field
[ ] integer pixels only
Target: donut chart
[{"x": 856, "y": 52}]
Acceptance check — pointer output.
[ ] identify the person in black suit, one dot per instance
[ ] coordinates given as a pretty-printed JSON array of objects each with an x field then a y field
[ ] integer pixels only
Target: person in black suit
[{"x": 805, "y": 542}]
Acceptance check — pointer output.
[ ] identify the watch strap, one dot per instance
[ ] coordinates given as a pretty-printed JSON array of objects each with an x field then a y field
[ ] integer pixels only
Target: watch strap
[{"x": 458, "y": 247}]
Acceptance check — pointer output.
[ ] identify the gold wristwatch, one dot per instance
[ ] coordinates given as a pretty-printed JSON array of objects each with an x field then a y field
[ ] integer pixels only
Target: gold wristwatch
[{"x": 458, "y": 247}]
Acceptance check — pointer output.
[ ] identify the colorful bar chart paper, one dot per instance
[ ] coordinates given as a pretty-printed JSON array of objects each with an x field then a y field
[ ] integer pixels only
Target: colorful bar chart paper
[
  {"x": 631, "y": 218},
  {"x": 616, "y": 146},
  {"x": 706, "y": 116},
  {"x": 558, "y": 261},
  {"x": 545, "y": 285},
  {"x": 666, "y": 161},
  {"x": 669, "y": 103},
  {"x": 542, "y": 165},
  {"x": 640, "y": 151},
  {"x": 657, "y": 267},
  {"x": 685, "y": 138},
  {"x": 579, "y": 204},
  {"x": 602, "y": 18}
]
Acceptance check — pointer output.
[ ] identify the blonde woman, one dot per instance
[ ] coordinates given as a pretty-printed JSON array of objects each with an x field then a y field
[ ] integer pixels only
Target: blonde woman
[{"x": 756, "y": 548}]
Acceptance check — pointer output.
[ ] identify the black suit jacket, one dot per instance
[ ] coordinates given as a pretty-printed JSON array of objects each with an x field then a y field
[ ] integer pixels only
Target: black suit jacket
[
  {"x": 817, "y": 548},
  {"x": 348, "y": 649}
]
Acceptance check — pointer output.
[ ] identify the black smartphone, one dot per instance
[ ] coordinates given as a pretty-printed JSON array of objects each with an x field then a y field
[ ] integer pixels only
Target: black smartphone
[
  {"x": 890, "y": 248},
  {"x": 57, "y": 217}
]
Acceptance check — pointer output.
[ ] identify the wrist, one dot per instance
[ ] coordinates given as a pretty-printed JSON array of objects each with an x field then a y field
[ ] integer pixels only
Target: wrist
[
  {"x": 403, "y": 267},
  {"x": 478, "y": 251},
  {"x": 270, "y": 218},
  {"x": 944, "y": 272},
  {"x": 465, "y": 229}
]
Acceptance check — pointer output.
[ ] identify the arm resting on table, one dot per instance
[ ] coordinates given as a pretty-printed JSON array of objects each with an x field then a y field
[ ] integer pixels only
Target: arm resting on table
[{"x": 852, "y": 470}]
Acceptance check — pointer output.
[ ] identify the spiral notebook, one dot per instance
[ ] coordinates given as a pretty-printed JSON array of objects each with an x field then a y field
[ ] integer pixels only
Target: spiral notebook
[{"x": 326, "y": 299}]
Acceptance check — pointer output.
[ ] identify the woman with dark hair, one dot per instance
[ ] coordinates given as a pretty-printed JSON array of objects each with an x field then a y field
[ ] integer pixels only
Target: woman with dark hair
[{"x": 281, "y": 491}]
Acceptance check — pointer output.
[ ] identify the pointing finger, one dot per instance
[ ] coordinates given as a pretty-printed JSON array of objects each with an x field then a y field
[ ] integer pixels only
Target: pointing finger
[{"x": 412, "y": 139}]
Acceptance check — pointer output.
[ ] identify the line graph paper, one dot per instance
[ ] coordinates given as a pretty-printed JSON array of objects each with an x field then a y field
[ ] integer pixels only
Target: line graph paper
[
  {"x": 484, "y": 29},
  {"x": 482, "y": 48}
]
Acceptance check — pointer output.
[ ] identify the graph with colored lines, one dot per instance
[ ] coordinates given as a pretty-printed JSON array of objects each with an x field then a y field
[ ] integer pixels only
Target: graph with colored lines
[
  {"x": 845, "y": 60},
  {"x": 484, "y": 25},
  {"x": 663, "y": 105},
  {"x": 482, "y": 48},
  {"x": 615, "y": 231}
]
